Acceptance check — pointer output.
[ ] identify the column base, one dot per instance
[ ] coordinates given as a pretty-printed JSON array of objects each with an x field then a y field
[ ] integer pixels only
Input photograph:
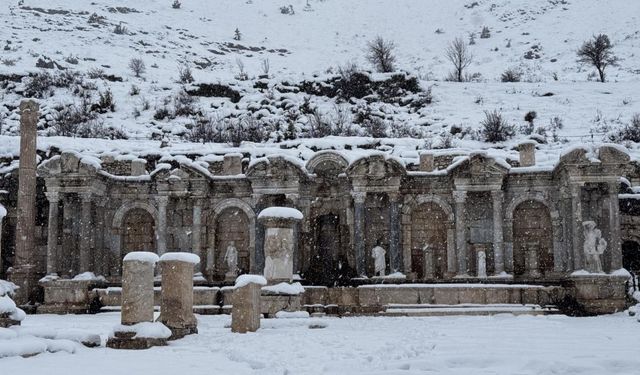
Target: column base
[
  {"x": 126, "y": 340},
  {"x": 178, "y": 333}
]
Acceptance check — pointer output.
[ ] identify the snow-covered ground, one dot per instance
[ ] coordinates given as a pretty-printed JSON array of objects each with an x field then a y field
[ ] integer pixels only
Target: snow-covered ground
[{"x": 501, "y": 344}]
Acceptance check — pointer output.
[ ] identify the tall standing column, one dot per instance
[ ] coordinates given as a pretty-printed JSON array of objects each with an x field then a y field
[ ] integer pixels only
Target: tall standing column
[
  {"x": 85, "y": 233},
  {"x": 3, "y": 213},
  {"x": 24, "y": 273},
  {"x": 576, "y": 226},
  {"x": 461, "y": 232},
  {"x": 196, "y": 231},
  {"x": 395, "y": 253},
  {"x": 498, "y": 248},
  {"x": 358, "y": 217},
  {"x": 161, "y": 225},
  {"x": 52, "y": 232},
  {"x": 614, "y": 224}
]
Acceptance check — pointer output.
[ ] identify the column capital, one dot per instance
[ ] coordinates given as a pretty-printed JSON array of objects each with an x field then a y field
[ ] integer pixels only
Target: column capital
[
  {"x": 52, "y": 196},
  {"x": 460, "y": 196},
  {"x": 497, "y": 194},
  {"x": 162, "y": 200},
  {"x": 86, "y": 196},
  {"x": 359, "y": 196}
]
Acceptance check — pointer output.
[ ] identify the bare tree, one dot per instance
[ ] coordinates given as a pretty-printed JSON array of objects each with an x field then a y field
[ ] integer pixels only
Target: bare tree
[
  {"x": 380, "y": 54},
  {"x": 599, "y": 53},
  {"x": 460, "y": 56},
  {"x": 137, "y": 66}
]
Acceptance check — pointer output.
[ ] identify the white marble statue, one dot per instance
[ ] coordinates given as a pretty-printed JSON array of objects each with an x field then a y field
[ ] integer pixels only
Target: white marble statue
[
  {"x": 594, "y": 246},
  {"x": 231, "y": 258},
  {"x": 429, "y": 264},
  {"x": 379, "y": 261},
  {"x": 482, "y": 264}
]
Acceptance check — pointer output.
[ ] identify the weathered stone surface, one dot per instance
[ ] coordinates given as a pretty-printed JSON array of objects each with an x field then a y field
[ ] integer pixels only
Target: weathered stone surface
[
  {"x": 600, "y": 294},
  {"x": 126, "y": 340},
  {"x": 176, "y": 307},
  {"x": 245, "y": 316},
  {"x": 137, "y": 292},
  {"x": 63, "y": 296},
  {"x": 279, "y": 242}
]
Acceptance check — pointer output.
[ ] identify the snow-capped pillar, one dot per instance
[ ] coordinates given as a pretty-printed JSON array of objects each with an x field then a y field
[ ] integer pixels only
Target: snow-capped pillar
[
  {"x": 52, "y": 232},
  {"x": 176, "y": 306},
  {"x": 395, "y": 253},
  {"x": 460, "y": 198},
  {"x": 161, "y": 225},
  {"x": 196, "y": 230},
  {"x": 85, "y": 233},
  {"x": 614, "y": 225},
  {"x": 576, "y": 225},
  {"x": 358, "y": 217},
  {"x": 137, "y": 287},
  {"x": 498, "y": 248}
]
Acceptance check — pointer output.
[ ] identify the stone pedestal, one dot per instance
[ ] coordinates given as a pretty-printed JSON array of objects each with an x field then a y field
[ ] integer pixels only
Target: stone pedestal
[
  {"x": 279, "y": 242},
  {"x": 137, "y": 302},
  {"x": 600, "y": 293},
  {"x": 245, "y": 315},
  {"x": 176, "y": 305},
  {"x": 64, "y": 296}
]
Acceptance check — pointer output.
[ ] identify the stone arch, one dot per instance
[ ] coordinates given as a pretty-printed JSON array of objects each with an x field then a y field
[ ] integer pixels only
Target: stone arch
[
  {"x": 117, "y": 229},
  {"x": 213, "y": 236},
  {"x": 559, "y": 259},
  {"x": 532, "y": 239},
  {"x": 327, "y": 157},
  {"x": 446, "y": 232}
]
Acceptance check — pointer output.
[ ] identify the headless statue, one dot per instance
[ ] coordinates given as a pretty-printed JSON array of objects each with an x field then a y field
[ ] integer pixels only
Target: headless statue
[
  {"x": 594, "y": 246},
  {"x": 379, "y": 262},
  {"x": 231, "y": 259}
]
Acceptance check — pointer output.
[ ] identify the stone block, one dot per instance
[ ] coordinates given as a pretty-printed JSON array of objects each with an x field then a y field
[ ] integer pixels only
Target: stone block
[
  {"x": 445, "y": 296},
  {"x": 497, "y": 296},
  {"x": 530, "y": 296},
  {"x": 232, "y": 164},
  {"x": 315, "y": 295},
  {"x": 471, "y": 295},
  {"x": 126, "y": 340},
  {"x": 245, "y": 316},
  {"x": 64, "y": 296},
  {"x": 270, "y": 304},
  {"x": 203, "y": 295}
]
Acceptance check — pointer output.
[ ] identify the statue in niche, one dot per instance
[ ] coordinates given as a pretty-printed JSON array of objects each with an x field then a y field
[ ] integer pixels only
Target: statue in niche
[
  {"x": 594, "y": 246},
  {"x": 231, "y": 259},
  {"x": 429, "y": 266},
  {"x": 379, "y": 261}
]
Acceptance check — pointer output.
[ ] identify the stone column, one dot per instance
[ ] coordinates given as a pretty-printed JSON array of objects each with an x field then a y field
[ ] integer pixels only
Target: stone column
[
  {"x": 85, "y": 233},
  {"x": 498, "y": 247},
  {"x": 161, "y": 225},
  {"x": 196, "y": 231},
  {"x": 461, "y": 232},
  {"x": 395, "y": 253},
  {"x": 3, "y": 213},
  {"x": 52, "y": 232},
  {"x": 24, "y": 272},
  {"x": 615, "y": 244},
  {"x": 176, "y": 306},
  {"x": 576, "y": 226},
  {"x": 279, "y": 223},
  {"x": 137, "y": 304},
  {"x": 358, "y": 217},
  {"x": 245, "y": 315}
]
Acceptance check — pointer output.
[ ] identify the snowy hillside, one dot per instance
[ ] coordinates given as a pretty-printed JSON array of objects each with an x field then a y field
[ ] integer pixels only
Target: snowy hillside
[{"x": 263, "y": 67}]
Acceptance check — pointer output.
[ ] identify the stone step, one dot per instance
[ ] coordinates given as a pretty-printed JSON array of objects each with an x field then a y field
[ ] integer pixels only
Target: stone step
[{"x": 465, "y": 309}]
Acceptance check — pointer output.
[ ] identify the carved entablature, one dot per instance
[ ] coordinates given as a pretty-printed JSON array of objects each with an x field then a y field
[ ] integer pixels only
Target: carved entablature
[
  {"x": 479, "y": 169},
  {"x": 604, "y": 164},
  {"x": 276, "y": 175},
  {"x": 376, "y": 173},
  {"x": 327, "y": 164}
]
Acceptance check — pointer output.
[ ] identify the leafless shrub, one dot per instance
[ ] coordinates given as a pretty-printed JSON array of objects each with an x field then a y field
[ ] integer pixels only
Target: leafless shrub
[
  {"x": 137, "y": 66},
  {"x": 381, "y": 54},
  {"x": 460, "y": 56},
  {"x": 184, "y": 74},
  {"x": 242, "y": 75},
  {"x": 495, "y": 128},
  {"x": 120, "y": 29}
]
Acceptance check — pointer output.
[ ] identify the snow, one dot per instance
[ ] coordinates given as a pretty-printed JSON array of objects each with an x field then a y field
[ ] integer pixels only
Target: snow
[
  {"x": 3, "y": 212},
  {"x": 281, "y": 212},
  {"x": 285, "y": 288},
  {"x": 181, "y": 257},
  {"x": 7, "y": 287},
  {"x": 7, "y": 305},
  {"x": 244, "y": 280},
  {"x": 142, "y": 256},
  {"x": 149, "y": 330},
  {"x": 89, "y": 276},
  {"x": 500, "y": 344},
  {"x": 621, "y": 272},
  {"x": 292, "y": 315}
]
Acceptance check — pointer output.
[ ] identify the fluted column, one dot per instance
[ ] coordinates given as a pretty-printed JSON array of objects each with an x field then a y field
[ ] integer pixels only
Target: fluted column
[
  {"x": 460, "y": 198},
  {"x": 576, "y": 226},
  {"x": 498, "y": 248},
  {"x": 614, "y": 224},
  {"x": 161, "y": 225},
  {"x": 85, "y": 233},
  {"x": 395, "y": 253},
  {"x": 359, "y": 225},
  {"x": 52, "y": 232},
  {"x": 196, "y": 231}
]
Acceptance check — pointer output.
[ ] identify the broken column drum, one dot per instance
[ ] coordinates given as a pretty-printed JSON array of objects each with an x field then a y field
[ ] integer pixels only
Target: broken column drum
[
  {"x": 279, "y": 241},
  {"x": 245, "y": 315},
  {"x": 176, "y": 306}
]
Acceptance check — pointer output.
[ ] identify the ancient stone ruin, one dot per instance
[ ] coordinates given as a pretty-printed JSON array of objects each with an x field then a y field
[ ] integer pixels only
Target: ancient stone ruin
[
  {"x": 245, "y": 316},
  {"x": 176, "y": 307}
]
